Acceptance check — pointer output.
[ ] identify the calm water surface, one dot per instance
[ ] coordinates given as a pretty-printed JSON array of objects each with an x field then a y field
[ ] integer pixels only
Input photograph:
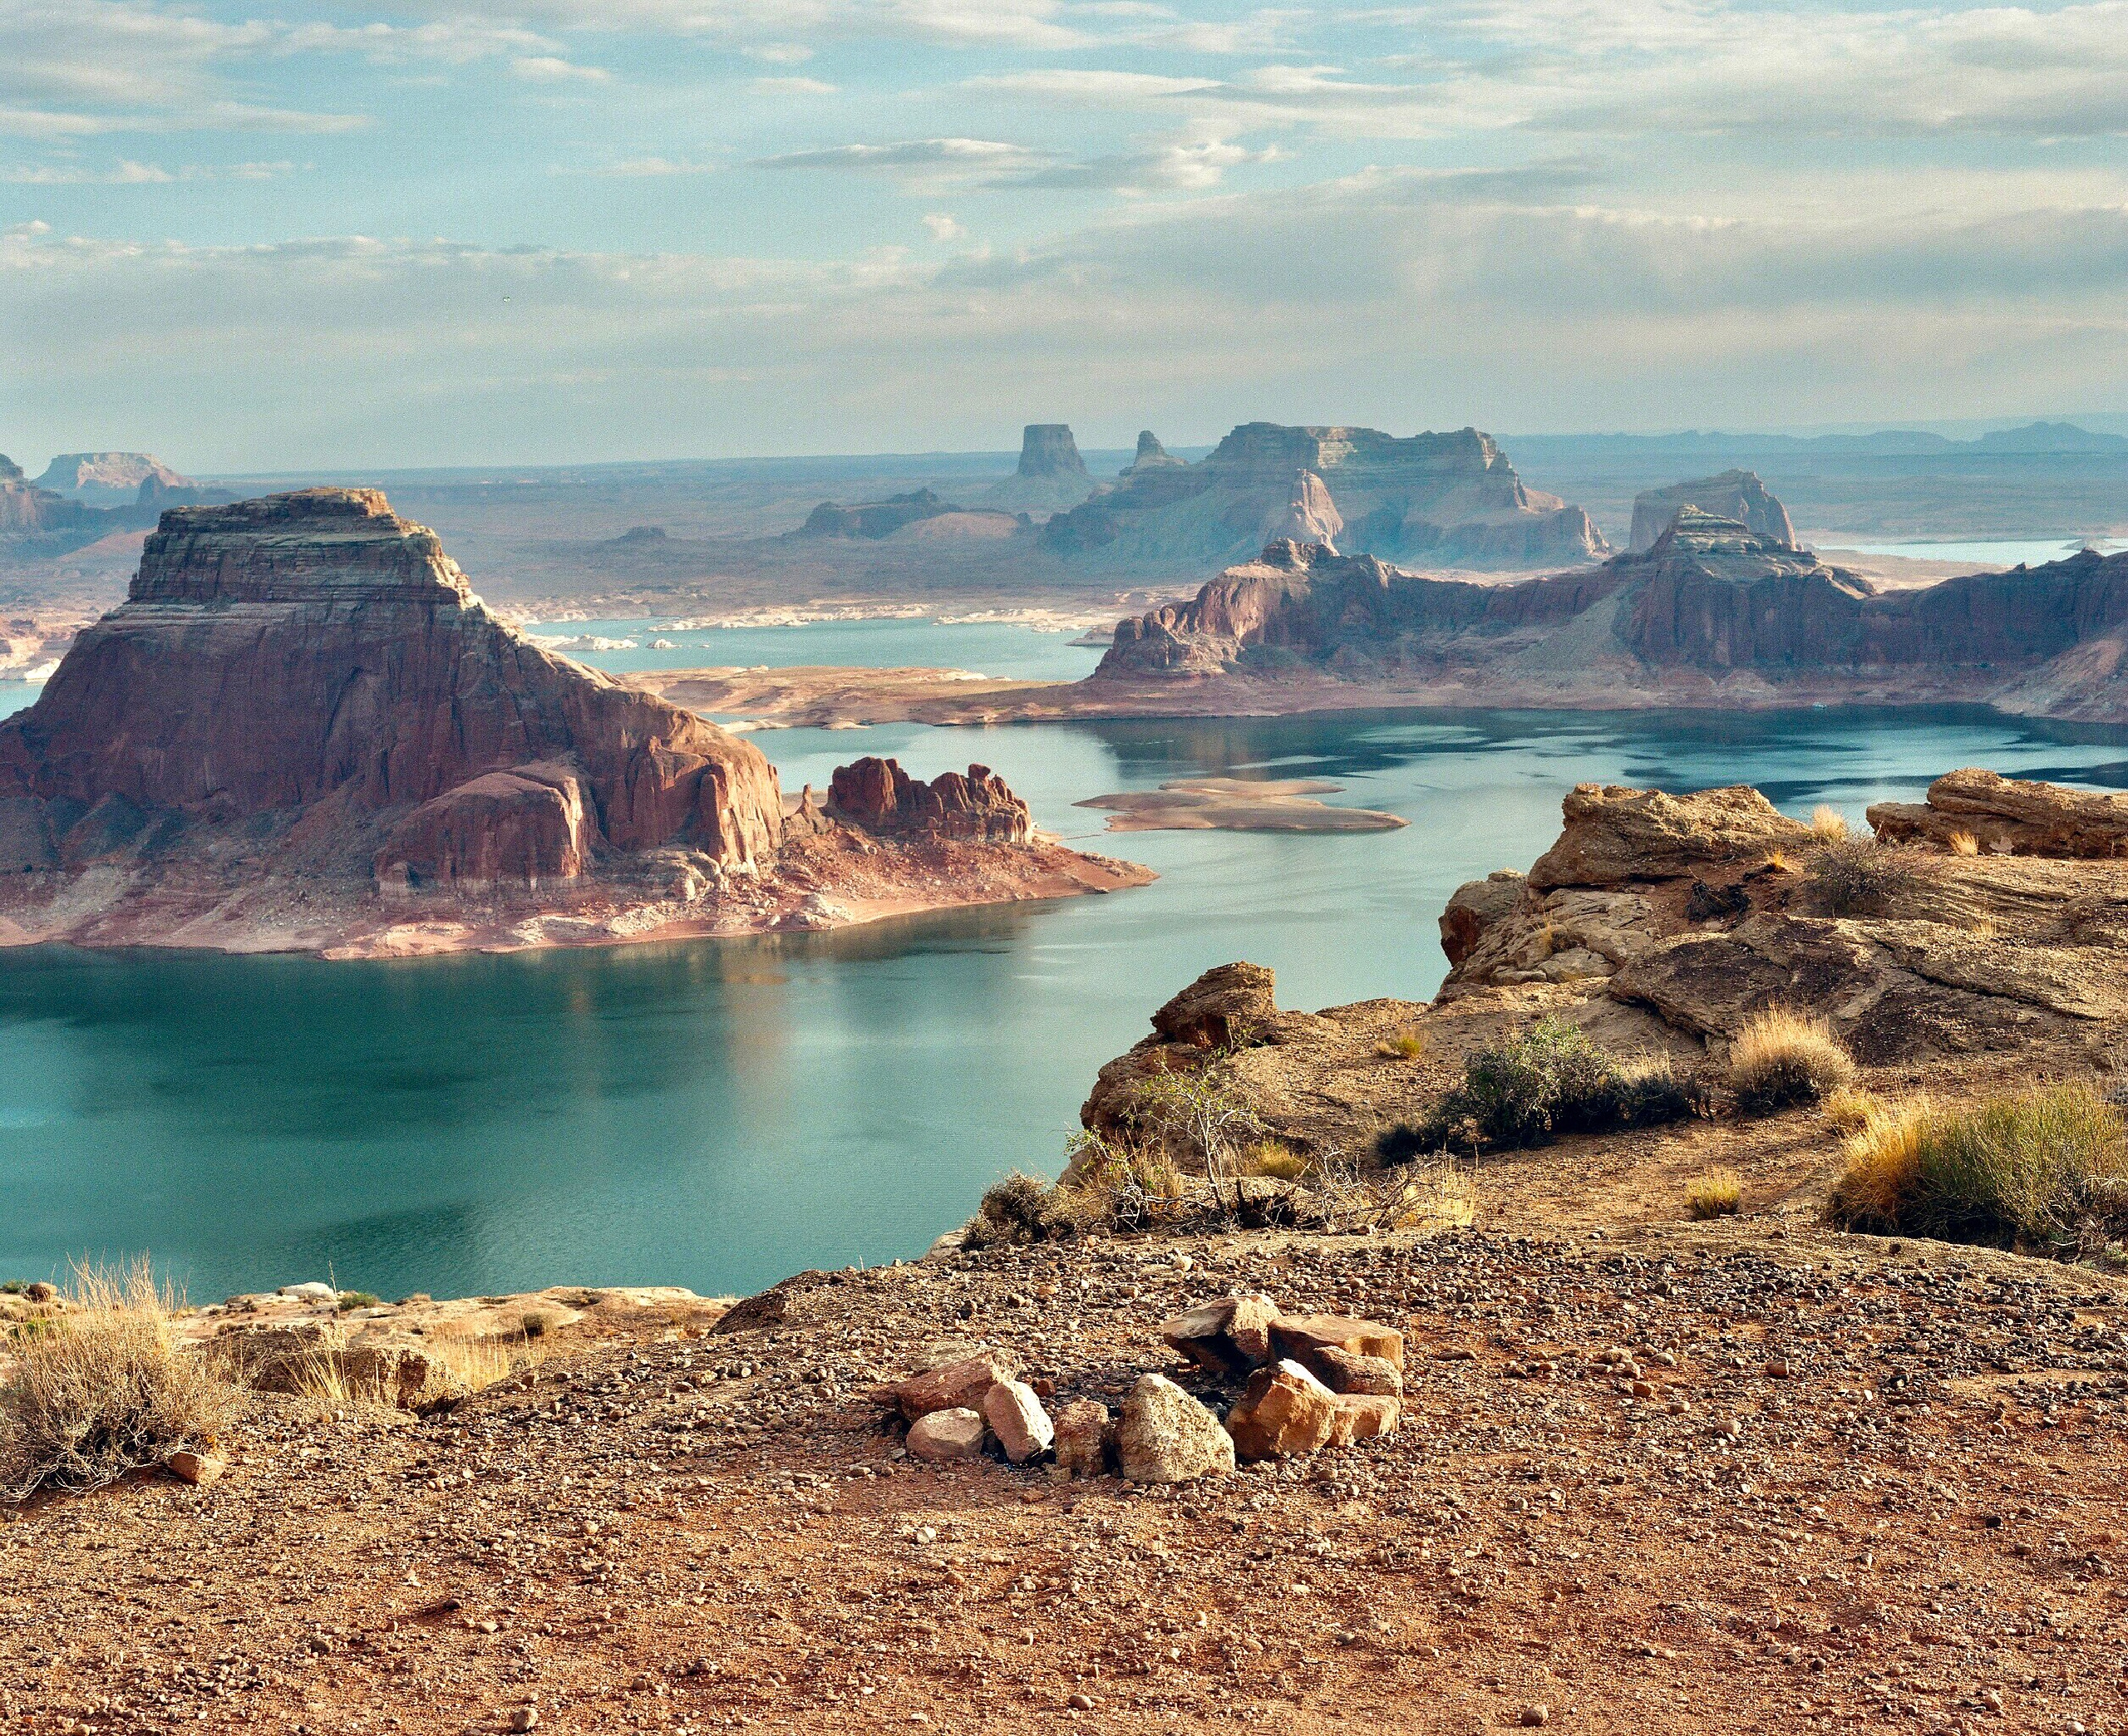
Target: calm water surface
[{"x": 719, "y": 1113}]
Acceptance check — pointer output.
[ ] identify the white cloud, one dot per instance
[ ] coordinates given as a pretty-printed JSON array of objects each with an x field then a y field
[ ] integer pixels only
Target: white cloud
[
  {"x": 1090, "y": 88},
  {"x": 987, "y": 155},
  {"x": 793, "y": 87},
  {"x": 944, "y": 228},
  {"x": 647, "y": 168},
  {"x": 553, "y": 69}
]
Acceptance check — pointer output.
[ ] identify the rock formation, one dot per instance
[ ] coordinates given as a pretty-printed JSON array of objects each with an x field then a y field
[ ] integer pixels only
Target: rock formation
[
  {"x": 30, "y": 509},
  {"x": 874, "y": 519},
  {"x": 351, "y": 664},
  {"x": 1051, "y": 475},
  {"x": 880, "y": 796},
  {"x": 108, "y": 479},
  {"x": 1152, "y": 456},
  {"x": 1734, "y": 494},
  {"x": 1983, "y": 811},
  {"x": 1446, "y": 499},
  {"x": 1712, "y": 613}
]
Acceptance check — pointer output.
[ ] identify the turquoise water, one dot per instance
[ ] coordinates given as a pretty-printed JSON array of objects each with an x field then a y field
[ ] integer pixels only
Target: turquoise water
[
  {"x": 718, "y": 1114},
  {"x": 1983, "y": 553},
  {"x": 1006, "y": 649},
  {"x": 16, "y": 695}
]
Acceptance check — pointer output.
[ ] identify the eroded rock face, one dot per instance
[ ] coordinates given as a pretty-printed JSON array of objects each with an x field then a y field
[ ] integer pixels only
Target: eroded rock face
[
  {"x": 2008, "y": 816},
  {"x": 28, "y": 509},
  {"x": 1445, "y": 497},
  {"x": 880, "y": 796},
  {"x": 1047, "y": 448},
  {"x": 1615, "y": 835},
  {"x": 1734, "y": 494},
  {"x": 280, "y": 655}
]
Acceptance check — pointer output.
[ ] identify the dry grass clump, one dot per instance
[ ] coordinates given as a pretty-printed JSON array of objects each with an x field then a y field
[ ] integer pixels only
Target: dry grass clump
[
  {"x": 1281, "y": 1163},
  {"x": 1407, "y": 1045},
  {"x": 104, "y": 1388},
  {"x": 1781, "y": 1058},
  {"x": 1964, "y": 843},
  {"x": 1859, "y": 876},
  {"x": 1106, "y": 1185},
  {"x": 1549, "y": 1080},
  {"x": 1849, "y": 1107},
  {"x": 1718, "y": 1193},
  {"x": 1828, "y": 824},
  {"x": 2044, "y": 1170}
]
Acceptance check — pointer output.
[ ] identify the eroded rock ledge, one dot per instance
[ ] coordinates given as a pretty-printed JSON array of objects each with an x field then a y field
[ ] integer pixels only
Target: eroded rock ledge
[{"x": 304, "y": 731}]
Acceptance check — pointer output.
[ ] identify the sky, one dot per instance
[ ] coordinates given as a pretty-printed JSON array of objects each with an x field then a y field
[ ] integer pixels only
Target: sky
[{"x": 258, "y": 236}]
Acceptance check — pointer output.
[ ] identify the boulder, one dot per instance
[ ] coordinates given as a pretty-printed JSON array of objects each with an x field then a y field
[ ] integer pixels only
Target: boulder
[
  {"x": 1166, "y": 1436},
  {"x": 272, "y": 1359},
  {"x": 1230, "y": 1337},
  {"x": 1475, "y": 907},
  {"x": 1015, "y": 1417},
  {"x": 1351, "y": 1372},
  {"x": 1361, "y": 1416},
  {"x": 1303, "y": 1336},
  {"x": 2008, "y": 816},
  {"x": 198, "y": 1468},
  {"x": 1225, "y": 1008},
  {"x": 940, "y": 1435},
  {"x": 1615, "y": 835},
  {"x": 1085, "y": 1437},
  {"x": 952, "y": 1386},
  {"x": 515, "y": 829},
  {"x": 1284, "y": 1412}
]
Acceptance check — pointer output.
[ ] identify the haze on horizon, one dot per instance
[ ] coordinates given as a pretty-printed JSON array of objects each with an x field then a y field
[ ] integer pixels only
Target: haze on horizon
[{"x": 285, "y": 234}]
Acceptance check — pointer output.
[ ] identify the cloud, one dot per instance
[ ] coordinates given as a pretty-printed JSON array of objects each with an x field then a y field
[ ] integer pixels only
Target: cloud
[
  {"x": 121, "y": 173},
  {"x": 793, "y": 87},
  {"x": 1187, "y": 163},
  {"x": 961, "y": 155},
  {"x": 646, "y": 169},
  {"x": 553, "y": 69},
  {"x": 1090, "y": 88},
  {"x": 1399, "y": 299},
  {"x": 944, "y": 228}
]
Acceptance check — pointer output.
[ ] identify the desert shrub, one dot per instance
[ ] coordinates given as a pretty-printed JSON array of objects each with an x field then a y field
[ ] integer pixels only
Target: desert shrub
[
  {"x": 1828, "y": 822},
  {"x": 2046, "y": 1170},
  {"x": 1849, "y": 1107},
  {"x": 106, "y": 1389},
  {"x": 1406, "y": 1044},
  {"x": 1200, "y": 1117},
  {"x": 351, "y": 1299},
  {"x": 1859, "y": 876},
  {"x": 1782, "y": 1058},
  {"x": 1281, "y": 1163},
  {"x": 1718, "y": 1193},
  {"x": 538, "y": 1323},
  {"x": 1964, "y": 843},
  {"x": 1549, "y": 1080}
]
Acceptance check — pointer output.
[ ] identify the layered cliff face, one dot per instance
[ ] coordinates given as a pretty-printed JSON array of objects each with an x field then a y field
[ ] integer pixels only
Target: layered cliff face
[
  {"x": 29, "y": 510},
  {"x": 880, "y": 796},
  {"x": 1151, "y": 456},
  {"x": 1446, "y": 498},
  {"x": 312, "y": 659},
  {"x": 1735, "y": 494},
  {"x": 108, "y": 479},
  {"x": 1712, "y": 610}
]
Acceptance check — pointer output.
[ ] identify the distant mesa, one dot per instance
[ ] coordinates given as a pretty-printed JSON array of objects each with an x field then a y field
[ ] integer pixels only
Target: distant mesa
[
  {"x": 29, "y": 510},
  {"x": 1714, "y": 613},
  {"x": 1738, "y": 495},
  {"x": 1449, "y": 500},
  {"x": 919, "y": 516},
  {"x": 108, "y": 479},
  {"x": 1051, "y": 475},
  {"x": 637, "y": 536},
  {"x": 303, "y": 730},
  {"x": 1152, "y": 456}
]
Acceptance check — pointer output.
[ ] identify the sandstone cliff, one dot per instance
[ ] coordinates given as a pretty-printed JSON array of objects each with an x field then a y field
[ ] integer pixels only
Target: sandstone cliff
[
  {"x": 874, "y": 519},
  {"x": 108, "y": 479},
  {"x": 1151, "y": 456},
  {"x": 29, "y": 510},
  {"x": 1450, "y": 500},
  {"x": 1051, "y": 475},
  {"x": 880, "y": 796},
  {"x": 1734, "y": 494},
  {"x": 1711, "y": 613}
]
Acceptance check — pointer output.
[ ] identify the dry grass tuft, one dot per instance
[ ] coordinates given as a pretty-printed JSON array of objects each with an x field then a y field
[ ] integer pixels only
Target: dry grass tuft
[
  {"x": 104, "y": 1388},
  {"x": 1407, "y": 1045},
  {"x": 1883, "y": 1161},
  {"x": 1281, "y": 1163},
  {"x": 1964, "y": 843},
  {"x": 1782, "y": 1058},
  {"x": 1849, "y": 1107},
  {"x": 1860, "y": 876},
  {"x": 1718, "y": 1193},
  {"x": 1828, "y": 822},
  {"x": 1779, "y": 861}
]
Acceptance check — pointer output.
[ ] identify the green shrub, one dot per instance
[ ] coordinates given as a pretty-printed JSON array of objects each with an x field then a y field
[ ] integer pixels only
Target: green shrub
[
  {"x": 351, "y": 1299},
  {"x": 2044, "y": 1170},
  {"x": 1549, "y": 1080}
]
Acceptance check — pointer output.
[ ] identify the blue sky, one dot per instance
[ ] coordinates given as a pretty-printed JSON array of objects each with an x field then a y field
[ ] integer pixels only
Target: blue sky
[{"x": 250, "y": 236}]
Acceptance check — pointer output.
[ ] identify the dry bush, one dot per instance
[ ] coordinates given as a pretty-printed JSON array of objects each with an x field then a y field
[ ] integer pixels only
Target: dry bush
[
  {"x": 1860, "y": 876},
  {"x": 105, "y": 1389},
  {"x": 2044, "y": 1170},
  {"x": 1718, "y": 1193},
  {"x": 1406, "y": 1044},
  {"x": 1781, "y": 1058},
  {"x": 1964, "y": 843},
  {"x": 1828, "y": 822},
  {"x": 1281, "y": 1163},
  {"x": 1779, "y": 861},
  {"x": 1849, "y": 1107}
]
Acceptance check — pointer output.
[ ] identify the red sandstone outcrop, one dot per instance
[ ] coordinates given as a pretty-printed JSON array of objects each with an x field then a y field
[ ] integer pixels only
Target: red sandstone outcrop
[
  {"x": 880, "y": 796},
  {"x": 349, "y": 661},
  {"x": 1450, "y": 499},
  {"x": 531, "y": 826},
  {"x": 1985, "y": 811},
  {"x": 1738, "y": 495}
]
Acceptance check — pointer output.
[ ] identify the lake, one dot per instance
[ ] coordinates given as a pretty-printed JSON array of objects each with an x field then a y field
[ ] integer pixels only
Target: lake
[{"x": 720, "y": 1113}]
